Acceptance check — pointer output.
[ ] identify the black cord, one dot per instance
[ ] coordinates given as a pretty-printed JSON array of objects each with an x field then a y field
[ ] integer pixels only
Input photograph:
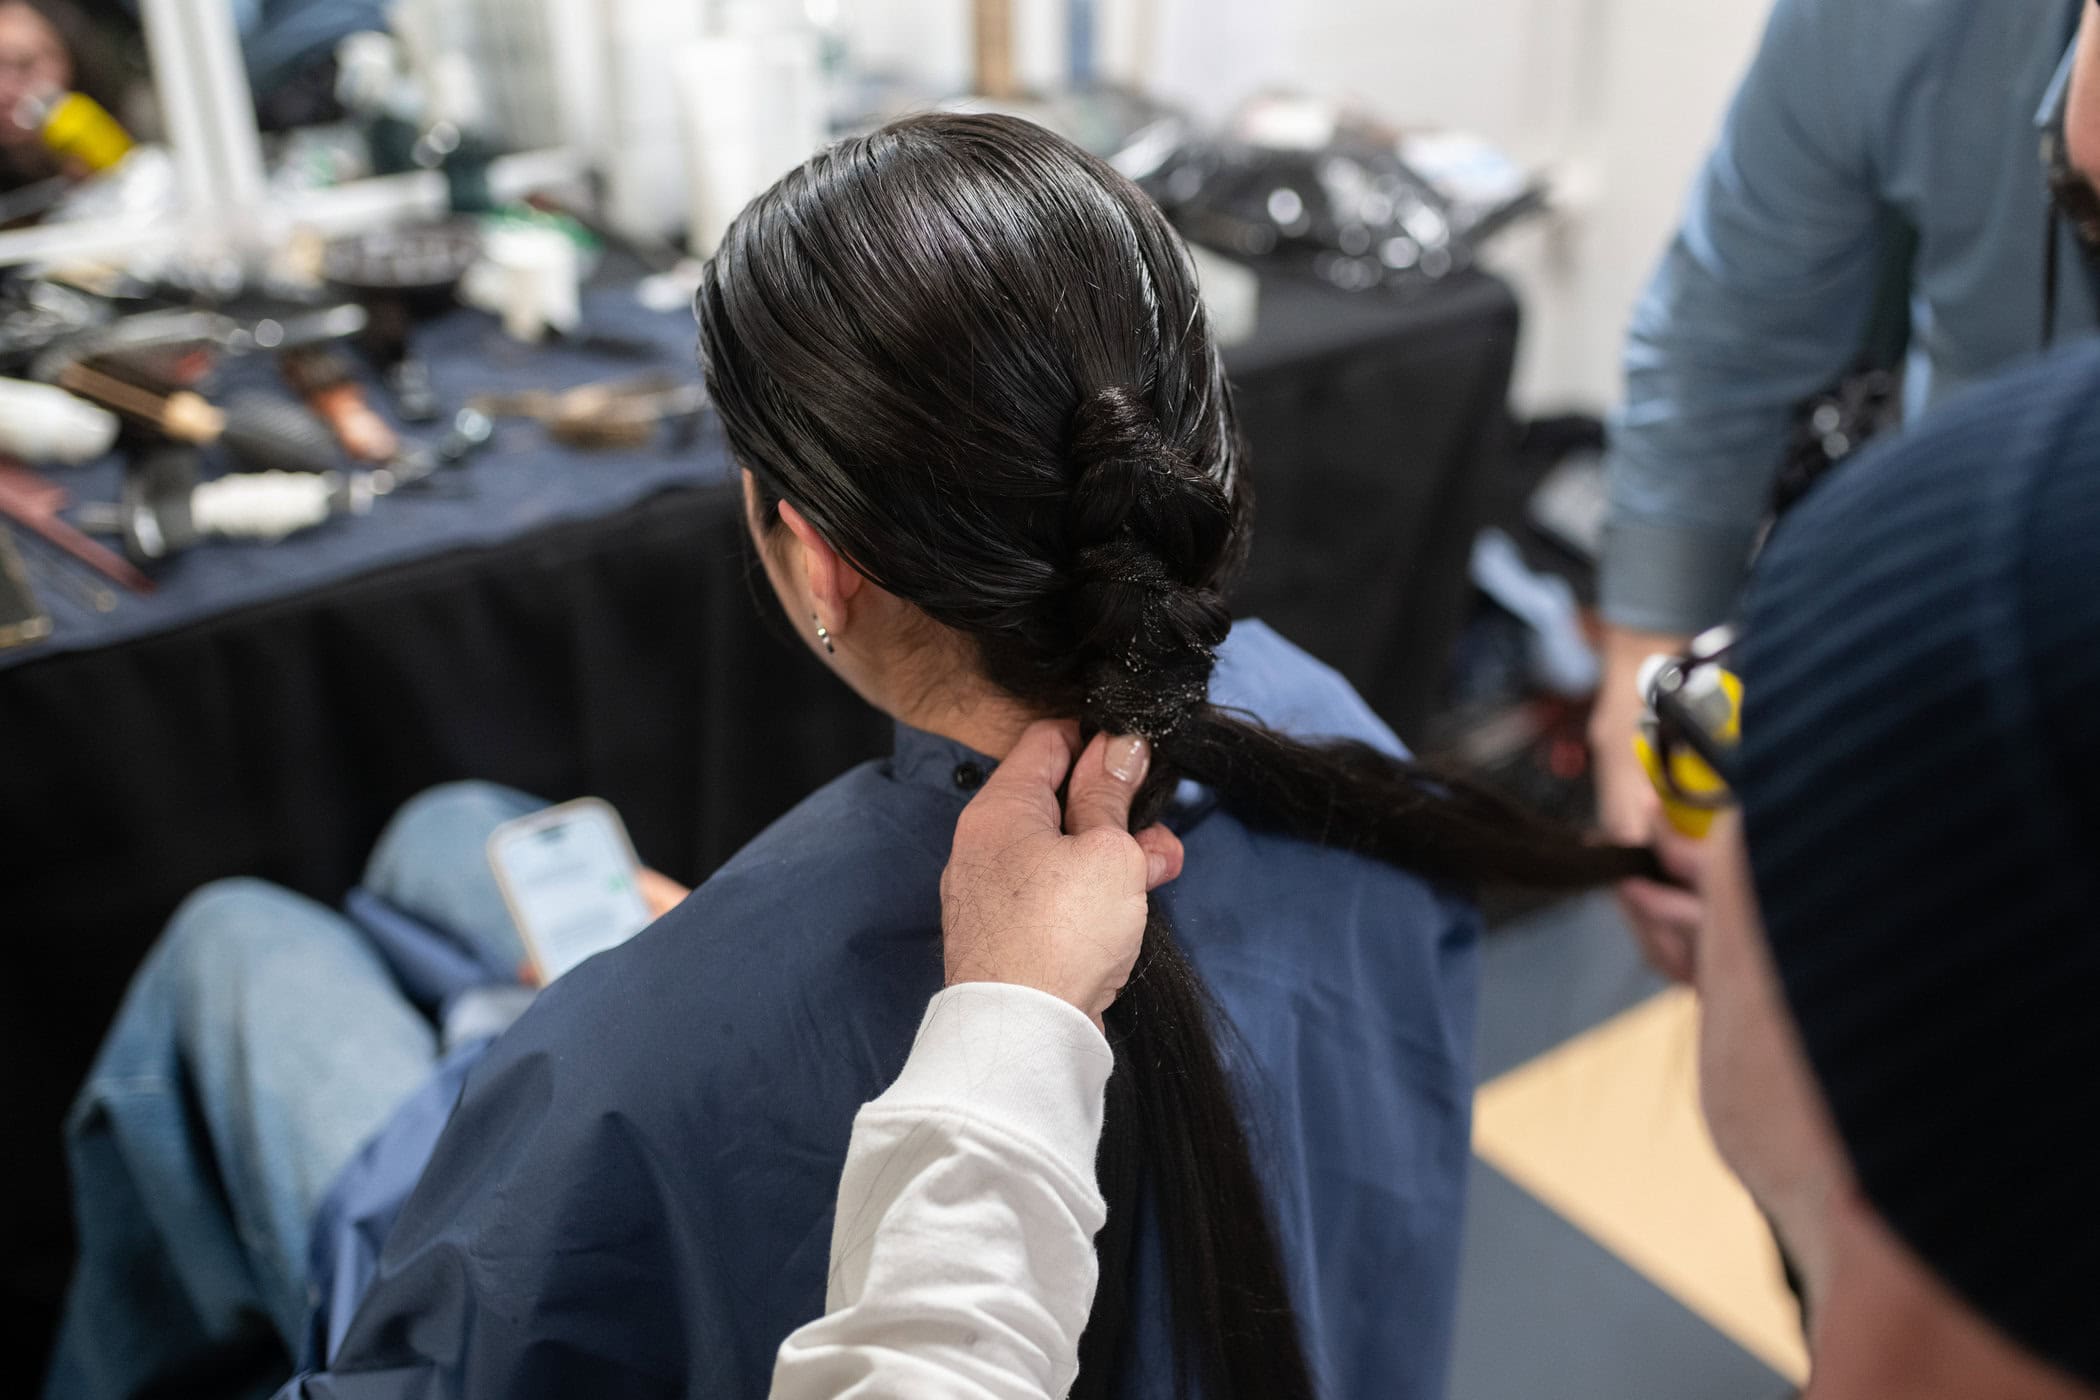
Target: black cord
[{"x": 2052, "y": 234}]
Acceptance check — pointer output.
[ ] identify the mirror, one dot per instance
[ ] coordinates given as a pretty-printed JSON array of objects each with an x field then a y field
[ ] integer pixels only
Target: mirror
[
  {"x": 82, "y": 130},
  {"x": 253, "y": 116},
  {"x": 357, "y": 88}
]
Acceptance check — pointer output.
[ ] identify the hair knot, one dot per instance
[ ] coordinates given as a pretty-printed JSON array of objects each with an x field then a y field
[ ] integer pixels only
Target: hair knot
[{"x": 1149, "y": 533}]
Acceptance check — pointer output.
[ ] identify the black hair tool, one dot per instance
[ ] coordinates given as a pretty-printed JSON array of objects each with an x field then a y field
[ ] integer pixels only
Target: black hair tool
[
  {"x": 263, "y": 430},
  {"x": 166, "y": 508}
]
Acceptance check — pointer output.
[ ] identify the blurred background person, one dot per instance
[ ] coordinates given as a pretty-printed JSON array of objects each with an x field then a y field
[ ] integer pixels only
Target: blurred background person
[
  {"x": 1908, "y": 896},
  {"x": 47, "y": 47},
  {"x": 1875, "y": 191}
]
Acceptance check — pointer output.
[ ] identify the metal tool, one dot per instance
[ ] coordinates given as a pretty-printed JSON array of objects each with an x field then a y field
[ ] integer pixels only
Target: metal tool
[
  {"x": 23, "y": 618},
  {"x": 614, "y": 413},
  {"x": 35, "y": 315},
  {"x": 176, "y": 328},
  {"x": 470, "y": 432},
  {"x": 34, "y": 503},
  {"x": 55, "y": 572}
]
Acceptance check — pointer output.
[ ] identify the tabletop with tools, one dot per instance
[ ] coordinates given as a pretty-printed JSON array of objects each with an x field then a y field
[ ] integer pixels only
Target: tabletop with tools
[
  {"x": 572, "y": 620},
  {"x": 521, "y": 479}
]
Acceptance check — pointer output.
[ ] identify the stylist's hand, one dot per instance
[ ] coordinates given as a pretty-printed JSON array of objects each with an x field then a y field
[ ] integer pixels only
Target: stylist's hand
[
  {"x": 1664, "y": 918},
  {"x": 1049, "y": 899}
]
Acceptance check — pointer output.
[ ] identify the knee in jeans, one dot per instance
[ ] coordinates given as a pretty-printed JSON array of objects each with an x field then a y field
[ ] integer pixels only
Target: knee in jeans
[
  {"x": 466, "y": 804},
  {"x": 225, "y": 926},
  {"x": 226, "y": 907},
  {"x": 446, "y": 816}
]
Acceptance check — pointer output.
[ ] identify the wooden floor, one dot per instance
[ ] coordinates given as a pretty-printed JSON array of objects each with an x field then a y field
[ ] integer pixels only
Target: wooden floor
[{"x": 1609, "y": 1255}]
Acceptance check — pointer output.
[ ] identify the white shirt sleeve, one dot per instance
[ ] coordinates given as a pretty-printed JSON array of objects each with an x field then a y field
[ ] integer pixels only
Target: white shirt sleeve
[{"x": 962, "y": 1258}]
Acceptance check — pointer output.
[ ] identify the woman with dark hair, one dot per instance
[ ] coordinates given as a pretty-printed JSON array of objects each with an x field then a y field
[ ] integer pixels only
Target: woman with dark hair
[{"x": 993, "y": 476}]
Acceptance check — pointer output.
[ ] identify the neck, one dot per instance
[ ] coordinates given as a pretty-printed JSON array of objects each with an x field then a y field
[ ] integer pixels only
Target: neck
[
  {"x": 921, "y": 674},
  {"x": 1887, "y": 1327},
  {"x": 972, "y": 714}
]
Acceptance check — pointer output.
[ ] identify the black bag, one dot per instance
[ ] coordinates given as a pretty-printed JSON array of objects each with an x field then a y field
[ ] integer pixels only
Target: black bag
[{"x": 1867, "y": 398}]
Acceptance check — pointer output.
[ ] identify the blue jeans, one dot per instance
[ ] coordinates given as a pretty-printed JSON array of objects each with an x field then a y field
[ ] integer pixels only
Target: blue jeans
[{"x": 259, "y": 1046}]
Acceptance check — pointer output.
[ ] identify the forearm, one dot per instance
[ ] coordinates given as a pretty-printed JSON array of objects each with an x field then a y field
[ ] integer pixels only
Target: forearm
[
  {"x": 962, "y": 1260},
  {"x": 1716, "y": 363},
  {"x": 1762, "y": 299},
  {"x": 1671, "y": 578}
]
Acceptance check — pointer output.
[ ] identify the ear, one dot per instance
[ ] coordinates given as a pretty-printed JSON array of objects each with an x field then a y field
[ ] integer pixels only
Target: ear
[{"x": 833, "y": 583}]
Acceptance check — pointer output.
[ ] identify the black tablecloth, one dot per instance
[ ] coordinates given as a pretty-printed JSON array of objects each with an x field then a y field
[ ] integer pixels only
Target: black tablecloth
[
  {"x": 1375, "y": 428},
  {"x": 624, "y": 656}
]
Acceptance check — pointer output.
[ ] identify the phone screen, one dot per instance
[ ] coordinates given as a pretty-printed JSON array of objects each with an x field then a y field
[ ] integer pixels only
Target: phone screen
[
  {"x": 569, "y": 876},
  {"x": 22, "y": 619}
]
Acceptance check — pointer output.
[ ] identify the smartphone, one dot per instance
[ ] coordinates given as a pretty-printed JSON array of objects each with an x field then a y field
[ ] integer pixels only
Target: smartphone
[
  {"x": 22, "y": 618},
  {"x": 568, "y": 875}
]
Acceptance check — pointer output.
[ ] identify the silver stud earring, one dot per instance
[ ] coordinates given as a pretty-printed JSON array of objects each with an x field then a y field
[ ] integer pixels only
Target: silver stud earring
[{"x": 824, "y": 635}]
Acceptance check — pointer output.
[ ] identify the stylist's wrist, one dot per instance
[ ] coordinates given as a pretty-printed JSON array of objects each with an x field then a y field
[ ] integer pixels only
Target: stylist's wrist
[
  {"x": 2082, "y": 103},
  {"x": 1054, "y": 899},
  {"x": 1664, "y": 919}
]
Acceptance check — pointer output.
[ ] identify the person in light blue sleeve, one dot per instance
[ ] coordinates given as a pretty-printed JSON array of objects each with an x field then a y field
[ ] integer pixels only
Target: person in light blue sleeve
[
  {"x": 1859, "y": 124},
  {"x": 279, "y": 38}
]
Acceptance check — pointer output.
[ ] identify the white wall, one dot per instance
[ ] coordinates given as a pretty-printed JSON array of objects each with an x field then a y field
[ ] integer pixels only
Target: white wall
[
  {"x": 1621, "y": 97},
  {"x": 1665, "y": 72}
]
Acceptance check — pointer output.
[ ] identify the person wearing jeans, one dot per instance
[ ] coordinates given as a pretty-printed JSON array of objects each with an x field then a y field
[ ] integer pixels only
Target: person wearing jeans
[{"x": 262, "y": 1044}]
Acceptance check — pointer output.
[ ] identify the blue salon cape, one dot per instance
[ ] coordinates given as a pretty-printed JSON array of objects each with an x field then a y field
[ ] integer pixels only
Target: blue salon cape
[{"x": 634, "y": 1194}]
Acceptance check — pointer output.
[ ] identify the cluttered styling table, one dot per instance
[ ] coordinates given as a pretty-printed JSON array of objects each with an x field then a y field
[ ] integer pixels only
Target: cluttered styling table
[{"x": 572, "y": 622}]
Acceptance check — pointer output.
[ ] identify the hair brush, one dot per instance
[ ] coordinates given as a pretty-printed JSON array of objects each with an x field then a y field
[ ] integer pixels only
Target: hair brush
[{"x": 259, "y": 428}]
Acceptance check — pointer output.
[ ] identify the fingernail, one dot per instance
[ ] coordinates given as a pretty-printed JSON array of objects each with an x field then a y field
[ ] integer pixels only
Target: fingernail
[
  {"x": 1155, "y": 868},
  {"x": 1127, "y": 756}
]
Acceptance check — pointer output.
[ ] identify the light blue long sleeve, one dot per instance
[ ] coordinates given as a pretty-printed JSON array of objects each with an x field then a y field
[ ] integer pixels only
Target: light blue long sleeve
[
  {"x": 278, "y": 37},
  {"x": 1854, "y": 113}
]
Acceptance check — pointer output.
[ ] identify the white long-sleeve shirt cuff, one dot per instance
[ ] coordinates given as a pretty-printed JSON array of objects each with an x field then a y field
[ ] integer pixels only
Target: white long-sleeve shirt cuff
[
  {"x": 962, "y": 1262},
  {"x": 1014, "y": 1058}
]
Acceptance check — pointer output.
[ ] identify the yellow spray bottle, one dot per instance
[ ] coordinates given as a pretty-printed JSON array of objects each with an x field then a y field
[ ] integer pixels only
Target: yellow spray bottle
[
  {"x": 77, "y": 128},
  {"x": 1691, "y": 791}
]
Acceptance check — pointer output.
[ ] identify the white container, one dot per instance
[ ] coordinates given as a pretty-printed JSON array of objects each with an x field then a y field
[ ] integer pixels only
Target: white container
[
  {"x": 753, "y": 107},
  {"x": 529, "y": 276},
  {"x": 647, "y": 190}
]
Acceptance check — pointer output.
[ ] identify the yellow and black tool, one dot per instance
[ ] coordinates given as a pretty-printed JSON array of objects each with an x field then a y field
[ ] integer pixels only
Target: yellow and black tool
[
  {"x": 1689, "y": 730},
  {"x": 77, "y": 128}
]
